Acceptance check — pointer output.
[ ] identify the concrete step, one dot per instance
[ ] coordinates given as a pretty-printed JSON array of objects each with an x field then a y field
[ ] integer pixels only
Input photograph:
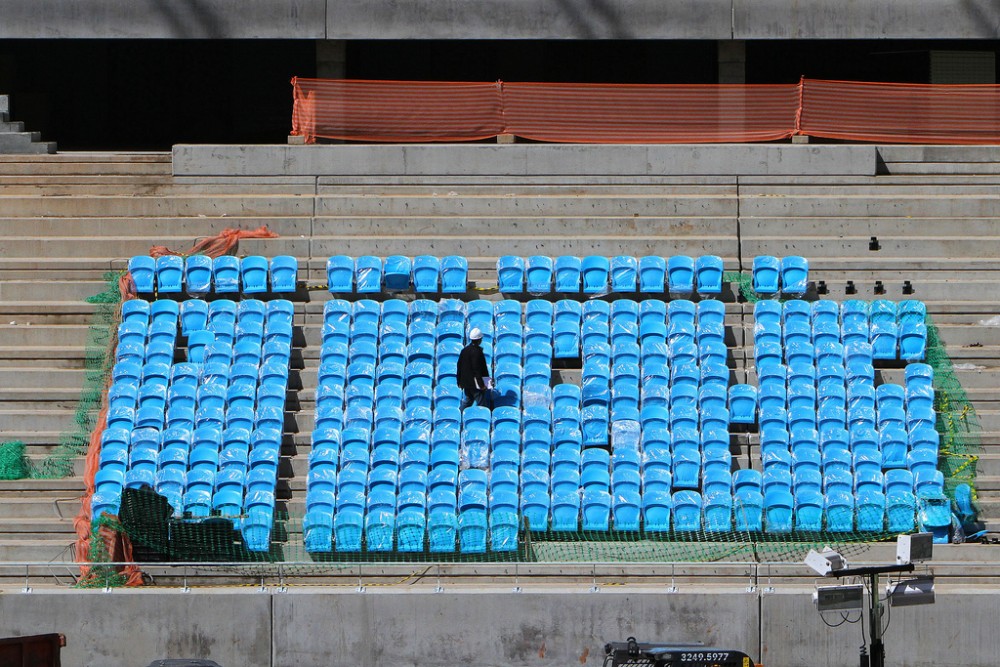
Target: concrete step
[
  {"x": 59, "y": 334},
  {"x": 935, "y": 205},
  {"x": 44, "y": 290},
  {"x": 29, "y": 379},
  {"x": 37, "y": 550},
  {"x": 48, "y": 508},
  {"x": 18, "y": 528},
  {"x": 911, "y": 226},
  {"x": 138, "y": 207},
  {"x": 65, "y": 487},
  {"x": 615, "y": 205},
  {"x": 25, "y": 142},
  {"x": 151, "y": 186},
  {"x": 857, "y": 246},
  {"x": 150, "y": 229},
  {"x": 51, "y": 419}
]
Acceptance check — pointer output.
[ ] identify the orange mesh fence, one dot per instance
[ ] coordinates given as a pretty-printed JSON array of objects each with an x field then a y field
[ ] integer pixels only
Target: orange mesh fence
[
  {"x": 416, "y": 111},
  {"x": 118, "y": 544},
  {"x": 602, "y": 113},
  {"x": 395, "y": 110},
  {"x": 901, "y": 112}
]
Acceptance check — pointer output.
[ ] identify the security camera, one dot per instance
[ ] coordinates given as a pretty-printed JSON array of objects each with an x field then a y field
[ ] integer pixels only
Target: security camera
[{"x": 825, "y": 562}]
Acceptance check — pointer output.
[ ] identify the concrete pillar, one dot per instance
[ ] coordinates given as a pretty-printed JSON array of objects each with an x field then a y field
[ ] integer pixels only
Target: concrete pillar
[
  {"x": 331, "y": 59},
  {"x": 732, "y": 57}
]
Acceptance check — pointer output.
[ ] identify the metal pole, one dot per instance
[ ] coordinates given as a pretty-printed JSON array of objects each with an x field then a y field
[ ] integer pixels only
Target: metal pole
[{"x": 877, "y": 658}]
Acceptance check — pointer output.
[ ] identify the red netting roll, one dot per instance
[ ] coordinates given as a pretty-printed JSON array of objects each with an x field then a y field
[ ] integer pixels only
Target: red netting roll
[{"x": 901, "y": 112}]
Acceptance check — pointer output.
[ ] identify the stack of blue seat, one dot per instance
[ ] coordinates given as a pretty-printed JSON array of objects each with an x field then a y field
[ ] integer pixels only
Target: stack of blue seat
[
  {"x": 596, "y": 274},
  {"x": 200, "y": 274},
  {"x": 839, "y": 453},
  {"x": 204, "y": 432},
  {"x": 423, "y": 274}
]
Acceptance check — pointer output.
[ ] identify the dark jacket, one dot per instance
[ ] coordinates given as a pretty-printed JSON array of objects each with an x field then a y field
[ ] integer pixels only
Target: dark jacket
[{"x": 471, "y": 369}]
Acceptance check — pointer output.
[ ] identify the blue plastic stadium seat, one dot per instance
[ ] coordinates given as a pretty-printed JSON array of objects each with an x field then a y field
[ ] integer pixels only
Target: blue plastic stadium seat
[
  {"x": 912, "y": 341},
  {"x": 143, "y": 272},
  {"x": 778, "y": 510},
  {"x": 596, "y": 271},
  {"x": 226, "y": 274},
  {"x": 253, "y": 273},
  {"x": 766, "y": 274},
  {"x": 718, "y": 512},
  {"x": 708, "y": 274},
  {"x": 198, "y": 274},
  {"x": 680, "y": 275},
  {"x": 687, "y": 511},
  {"x": 539, "y": 274},
  {"x": 900, "y": 511},
  {"x": 368, "y": 274},
  {"x": 809, "y": 506},
  {"x": 340, "y": 273},
  {"x": 652, "y": 274},
  {"x": 397, "y": 272},
  {"x": 426, "y": 274},
  {"x": 748, "y": 509},
  {"x": 454, "y": 274},
  {"x": 567, "y": 274},
  {"x": 657, "y": 507},
  {"x": 510, "y": 274},
  {"x": 794, "y": 275},
  {"x": 742, "y": 404},
  {"x": 624, "y": 273},
  {"x": 284, "y": 273},
  {"x": 169, "y": 273}
]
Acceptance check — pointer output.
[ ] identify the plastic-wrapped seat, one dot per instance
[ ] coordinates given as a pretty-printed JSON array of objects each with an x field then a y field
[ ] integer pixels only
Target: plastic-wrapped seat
[
  {"x": 778, "y": 510},
  {"x": 454, "y": 274},
  {"x": 198, "y": 274},
  {"x": 624, "y": 273},
  {"x": 687, "y": 511},
  {"x": 680, "y": 274},
  {"x": 226, "y": 274},
  {"x": 708, "y": 274},
  {"x": 794, "y": 275},
  {"x": 652, "y": 274},
  {"x": 510, "y": 274},
  {"x": 253, "y": 274},
  {"x": 426, "y": 274},
  {"x": 539, "y": 274},
  {"x": 766, "y": 274},
  {"x": 143, "y": 272},
  {"x": 284, "y": 273},
  {"x": 169, "y": 274},
  {"x": 368, "y": 274},
  {"x": 567, "y": 274},
  {"x": 595, "y": 270}
]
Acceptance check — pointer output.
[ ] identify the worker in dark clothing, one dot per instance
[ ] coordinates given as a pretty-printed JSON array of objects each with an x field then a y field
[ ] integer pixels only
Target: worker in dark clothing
[{"x": 473, "y": 373}]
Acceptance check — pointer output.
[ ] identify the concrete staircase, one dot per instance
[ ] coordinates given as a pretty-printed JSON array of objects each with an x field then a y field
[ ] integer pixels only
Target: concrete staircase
[
  {"x": 66, "y": 219},
  {"x": 13, "y": 138}
]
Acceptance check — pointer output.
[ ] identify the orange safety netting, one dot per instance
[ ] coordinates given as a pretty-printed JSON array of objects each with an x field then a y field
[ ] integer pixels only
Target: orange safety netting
[
  {"x": 119, "y": 546},
  {"x": 612, "y": 114},
  {"x": 901, "y": 112},
  {"x": 396, "y": 110},
  {"x": 418, "y": 111}
]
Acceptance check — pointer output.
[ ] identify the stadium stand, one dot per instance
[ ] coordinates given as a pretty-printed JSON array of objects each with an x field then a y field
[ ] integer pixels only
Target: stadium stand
[{"x": 291, "y": 488}]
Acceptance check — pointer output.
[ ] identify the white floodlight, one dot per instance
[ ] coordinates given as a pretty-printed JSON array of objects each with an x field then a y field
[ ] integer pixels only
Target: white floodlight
[
  {"x": 914, "y": 548},
  {"x": 825, "y": 562},
  {"x": 839, "y": 598},
  {"x": 911, "y": 592}
]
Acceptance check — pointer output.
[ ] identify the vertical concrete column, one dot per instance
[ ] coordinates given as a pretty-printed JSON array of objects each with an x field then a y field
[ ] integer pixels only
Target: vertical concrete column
[
  {"x": 732, "y": 57},
  {"x": 331, "y": 59}
]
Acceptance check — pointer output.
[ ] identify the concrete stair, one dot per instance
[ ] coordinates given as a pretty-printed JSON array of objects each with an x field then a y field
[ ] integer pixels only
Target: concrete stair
[
  {"x": 66, "y": 219},
  {"x": 13, "y": 138}
]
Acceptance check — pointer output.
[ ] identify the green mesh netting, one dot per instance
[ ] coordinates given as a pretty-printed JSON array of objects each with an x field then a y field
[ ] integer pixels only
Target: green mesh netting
[
  {"x": 98, "y": 356},
  {"x": 100, "y": 573},
  {"x": 157, "y": 536},
  {"x": 13, "y": 465}
]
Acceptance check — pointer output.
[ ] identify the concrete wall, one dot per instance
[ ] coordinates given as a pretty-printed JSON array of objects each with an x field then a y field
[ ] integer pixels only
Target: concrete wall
[
  {"x": 567, "y": 626},
  {"x": 500, "y": 19},
  {"x": 523, "y": 160}
]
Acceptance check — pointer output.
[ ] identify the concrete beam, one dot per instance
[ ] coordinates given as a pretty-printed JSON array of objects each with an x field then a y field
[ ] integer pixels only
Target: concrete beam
[
  {"x": 866, "y": 19},
  {"x": 159, "y": 19},
  {"x": 541, "y": 19},
  {"x": 419, "y": 160}
]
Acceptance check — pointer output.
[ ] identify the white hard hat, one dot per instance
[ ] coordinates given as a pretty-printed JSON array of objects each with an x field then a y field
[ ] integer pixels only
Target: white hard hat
[{"x": 475, "y": 334}]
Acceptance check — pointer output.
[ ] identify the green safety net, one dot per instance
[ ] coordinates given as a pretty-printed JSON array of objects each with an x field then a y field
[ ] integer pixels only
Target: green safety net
[
  {"x": 157, "y": 535},
  {"x": 13, "y": 464}
]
